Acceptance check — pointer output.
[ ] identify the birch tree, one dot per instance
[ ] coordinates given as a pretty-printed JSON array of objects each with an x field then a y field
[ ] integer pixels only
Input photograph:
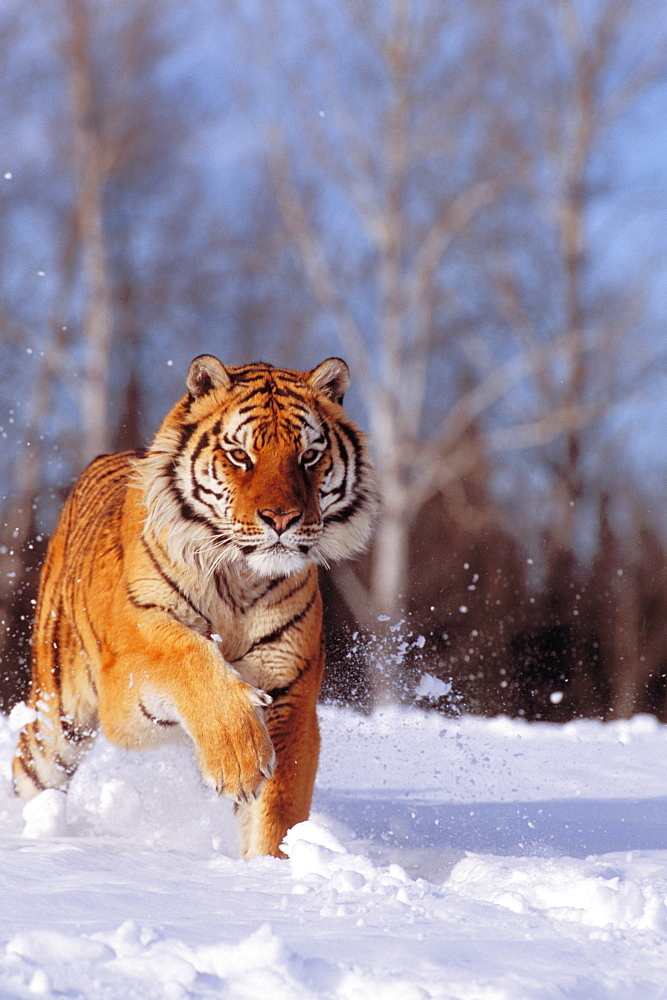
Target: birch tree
[
  {"x": 82, "y": 227},
  {"x": 594, "y": 66},
  {"x": 93, "y": 162},
  {"x": 442, "y": 152},
  {"x": 90, "y": 126}
]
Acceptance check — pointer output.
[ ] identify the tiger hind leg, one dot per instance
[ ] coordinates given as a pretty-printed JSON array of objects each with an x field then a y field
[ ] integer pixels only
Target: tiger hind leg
[
  {"x": 48, "y": 752},
  {"x": 63, "y": 698}
]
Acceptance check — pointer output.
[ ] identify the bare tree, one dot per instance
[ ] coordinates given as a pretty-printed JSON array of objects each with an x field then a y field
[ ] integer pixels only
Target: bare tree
[
  {"x": 441, "y": 155},
  {"x": 100, "y": 122},
  {"x": 435, "y": 166},
  {"x": 93, "y": 160},
  {"x": 592, "y": 66}
]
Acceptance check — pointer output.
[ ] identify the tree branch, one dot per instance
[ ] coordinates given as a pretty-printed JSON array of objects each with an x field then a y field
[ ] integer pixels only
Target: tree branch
[{"x": 315, "y": 263}]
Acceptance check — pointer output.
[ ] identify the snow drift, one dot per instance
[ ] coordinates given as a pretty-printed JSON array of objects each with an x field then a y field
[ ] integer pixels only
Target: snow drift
[{"x": 465, "y": 859}]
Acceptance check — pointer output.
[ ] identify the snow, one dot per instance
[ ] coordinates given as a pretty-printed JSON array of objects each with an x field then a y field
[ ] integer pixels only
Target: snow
[
  {"x": 430, "y": 687},
  {"x": 454, "y": 858}
]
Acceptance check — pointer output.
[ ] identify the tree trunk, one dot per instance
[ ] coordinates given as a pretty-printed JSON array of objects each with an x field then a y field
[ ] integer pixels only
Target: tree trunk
[
  {"x": 388, "y": 593},
  {"x": 91, "y": 176},
  {"x": 390, "y": 564}
]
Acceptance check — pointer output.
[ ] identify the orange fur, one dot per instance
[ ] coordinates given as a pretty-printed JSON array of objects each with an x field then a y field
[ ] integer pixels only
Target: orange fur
[{"x": 180, "y": 593}]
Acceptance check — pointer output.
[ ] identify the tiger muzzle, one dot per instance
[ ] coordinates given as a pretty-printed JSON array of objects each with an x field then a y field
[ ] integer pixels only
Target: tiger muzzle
[{"x": 281, "y": 521}]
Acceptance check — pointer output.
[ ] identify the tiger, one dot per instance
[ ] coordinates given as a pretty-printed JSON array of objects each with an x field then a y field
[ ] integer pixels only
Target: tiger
[{"x": 180, "y": 599}]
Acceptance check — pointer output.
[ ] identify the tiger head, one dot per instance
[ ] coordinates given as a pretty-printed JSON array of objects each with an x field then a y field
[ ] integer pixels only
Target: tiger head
[{"x": 259, "y": 465}]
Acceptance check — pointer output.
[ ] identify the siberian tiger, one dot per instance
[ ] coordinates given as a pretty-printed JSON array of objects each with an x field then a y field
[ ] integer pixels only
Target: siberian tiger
[{"x": 180, "y": 590}]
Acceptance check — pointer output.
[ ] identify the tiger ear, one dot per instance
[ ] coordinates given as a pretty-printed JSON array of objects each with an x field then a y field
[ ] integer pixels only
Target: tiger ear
[
  {"x": 332, "y": 378},
  {"x": 205, "y": 374}
]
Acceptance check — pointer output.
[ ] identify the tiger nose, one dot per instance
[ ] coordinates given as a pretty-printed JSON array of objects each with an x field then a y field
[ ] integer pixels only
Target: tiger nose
[{"x": 278, "y": 520}]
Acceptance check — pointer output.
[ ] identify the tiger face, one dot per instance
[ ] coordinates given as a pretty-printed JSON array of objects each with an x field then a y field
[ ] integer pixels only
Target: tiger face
[{"x": 260, "y": 466}]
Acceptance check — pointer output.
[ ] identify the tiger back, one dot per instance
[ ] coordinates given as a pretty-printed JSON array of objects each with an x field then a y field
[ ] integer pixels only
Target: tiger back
[{"x": 180, "y": 598}]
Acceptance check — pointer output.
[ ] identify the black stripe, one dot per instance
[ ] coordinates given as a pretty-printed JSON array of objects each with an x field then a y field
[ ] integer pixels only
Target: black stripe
[
  {"x": 174, "y": 586},
  {"x": 187, "y": 430},
  {"x": 272, "y": 386},
  {"x": 74, "y": 733},
  {"x": 152, "y": 718},
  {"x": 272, "y": 586},
  {"x": 344, "y": 456},
  {"x": 55, "y": 666},
  {"x": 275, "y": 694},
  {"x": 187, "y": 511},
  {"x": 290, "y": 593},
  {"x": 224, "y": 593},
  {"x": 91, "y": 679},
  {"x": 62, "y": 765},
  {"x": 347, "y": 512},
  {"x": 339, "y": 491},
  {"x": 92, "y": 629},
  {"x": 250, "y": 373},
  {"x": 144, "y": 605},
  {"x": 198, "y": 489},
  {"x": 30, "y": 772},
  {"x": 354, "y": 439},
  {"x": 344, "y": 453},
  {"x": 201, "y": 444},
  {"x": 254, "y": 415},
  {"x": 259, "y": 391},
  {"x": 279, "y": 632},
  {"x": 291, "y": 394}
]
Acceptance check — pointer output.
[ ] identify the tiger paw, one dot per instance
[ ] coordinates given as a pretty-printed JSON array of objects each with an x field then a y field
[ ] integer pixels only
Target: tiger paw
[{"x": 235, "y": 751}]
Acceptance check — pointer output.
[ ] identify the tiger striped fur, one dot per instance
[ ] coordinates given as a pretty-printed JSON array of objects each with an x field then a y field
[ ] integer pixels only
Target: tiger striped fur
[{"x": 180, "y": 590}]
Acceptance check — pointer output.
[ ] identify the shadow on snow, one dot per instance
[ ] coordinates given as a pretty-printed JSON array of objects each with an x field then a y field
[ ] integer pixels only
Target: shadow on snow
[{"x": 428, "y": 838}]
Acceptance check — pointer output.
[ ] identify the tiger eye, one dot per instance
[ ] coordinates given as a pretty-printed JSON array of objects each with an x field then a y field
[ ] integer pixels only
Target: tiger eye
[{"x": 239, "y": 457}]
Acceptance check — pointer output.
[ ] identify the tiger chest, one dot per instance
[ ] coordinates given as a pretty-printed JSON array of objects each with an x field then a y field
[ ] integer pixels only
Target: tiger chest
[{"x": 269, "y": 639}]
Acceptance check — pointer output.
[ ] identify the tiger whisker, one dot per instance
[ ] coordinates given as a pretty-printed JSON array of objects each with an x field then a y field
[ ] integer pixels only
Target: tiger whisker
[{"x": 214, "y": 554}]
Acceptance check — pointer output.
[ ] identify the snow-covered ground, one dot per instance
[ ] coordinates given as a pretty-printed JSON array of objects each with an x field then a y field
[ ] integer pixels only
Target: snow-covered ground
[{"x": 463, "y": 859}]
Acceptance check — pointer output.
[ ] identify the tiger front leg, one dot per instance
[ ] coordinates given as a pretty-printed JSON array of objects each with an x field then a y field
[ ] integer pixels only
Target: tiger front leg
[
  {"x": 180, "y": 679},
  {"x": 285, "y": 799},
  {"x": 233, "y": 746}
]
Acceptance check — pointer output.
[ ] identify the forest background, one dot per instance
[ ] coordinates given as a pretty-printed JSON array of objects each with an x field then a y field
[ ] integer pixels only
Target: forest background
[{"x": 467, "y": 201}]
